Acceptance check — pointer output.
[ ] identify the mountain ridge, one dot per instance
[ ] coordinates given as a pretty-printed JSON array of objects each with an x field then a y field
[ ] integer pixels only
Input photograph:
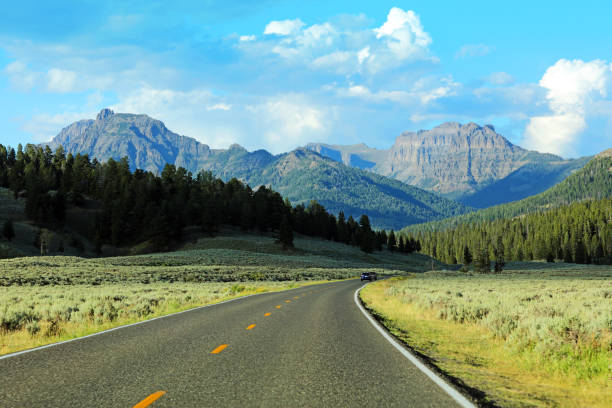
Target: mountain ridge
[
  {"x": 300, "y": 175},
  {"x": 457, "y": 161}
]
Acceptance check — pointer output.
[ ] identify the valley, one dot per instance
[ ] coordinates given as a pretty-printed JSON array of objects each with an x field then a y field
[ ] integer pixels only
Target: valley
[
  {"x": 94, "y": 246},
  {"x": 305, "y": 204}
]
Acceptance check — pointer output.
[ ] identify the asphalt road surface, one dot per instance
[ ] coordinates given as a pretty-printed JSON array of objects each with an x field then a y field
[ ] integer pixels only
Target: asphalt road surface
[{"x": 307, "y": 347}]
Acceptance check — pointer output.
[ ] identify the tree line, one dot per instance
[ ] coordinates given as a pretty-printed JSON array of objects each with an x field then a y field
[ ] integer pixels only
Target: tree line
[
  {"x": 132, "y": 207},
  {"x": 592, "y": 182},
  {"x": 580, "y": 233}
]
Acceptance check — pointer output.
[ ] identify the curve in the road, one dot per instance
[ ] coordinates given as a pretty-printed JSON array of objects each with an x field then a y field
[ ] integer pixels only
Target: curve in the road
[
  {"x": 317, "y": 350},
  {"x": 450, "y": 390}
]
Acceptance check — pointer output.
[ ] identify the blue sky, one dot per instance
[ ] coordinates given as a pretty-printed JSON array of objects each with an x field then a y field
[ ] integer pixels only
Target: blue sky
[{"x": 278, "y": 74}]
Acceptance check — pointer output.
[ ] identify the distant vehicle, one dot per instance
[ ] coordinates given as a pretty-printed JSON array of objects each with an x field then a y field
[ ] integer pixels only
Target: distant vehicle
[{"x": 369, "y": 276}]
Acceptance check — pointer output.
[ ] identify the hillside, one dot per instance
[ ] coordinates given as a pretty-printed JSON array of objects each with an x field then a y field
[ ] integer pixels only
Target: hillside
[
  {"x": 578, "y": 233},
  {"x": 593, "y": 181},
  {"x": 300, "y": 175},
  {"x": 470, "y": 163},
  {"x": 69, "y": 238}
]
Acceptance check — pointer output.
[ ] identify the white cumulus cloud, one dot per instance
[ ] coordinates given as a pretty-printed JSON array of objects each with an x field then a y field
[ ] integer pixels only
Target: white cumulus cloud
[
  {"x": 283, "y": 27},
  {"x": 572, "y": 89},
  {"x": 346, "y": 46},
  {"x": 404, "y": 34}
]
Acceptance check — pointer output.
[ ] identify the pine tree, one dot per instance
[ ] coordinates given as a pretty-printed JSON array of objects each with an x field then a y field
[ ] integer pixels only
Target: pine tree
[
  {"x": 391, "y": 242},
  {"x": 467, "y": 255},
  {"x": 482, "y": 263},
  {"x": 8, "y": 230},
  {"x": 286, "y": 233},
  {"x": 401, "y": 246},
  {"x": 498, "y": 250},
  {"x": 366, "y": 235}
]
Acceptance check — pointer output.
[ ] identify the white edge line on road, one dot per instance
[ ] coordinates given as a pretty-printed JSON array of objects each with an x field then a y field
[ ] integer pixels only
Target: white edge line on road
[
  {"x": 451, "y": 391},
  {"x": 17, "y": 353}
]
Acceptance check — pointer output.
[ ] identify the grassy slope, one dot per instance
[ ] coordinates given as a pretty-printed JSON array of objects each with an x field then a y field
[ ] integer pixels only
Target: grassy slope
[
  {"x": 529, "y": 337},
  {"x": 53, "y": 298},
  {"x": 593, "y": 181}
]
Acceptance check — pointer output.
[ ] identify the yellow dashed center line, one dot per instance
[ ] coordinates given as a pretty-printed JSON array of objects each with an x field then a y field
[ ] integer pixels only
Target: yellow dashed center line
[
  {"x": 278, "y": 307},
  {"x": 287, "y": 301},
  {"x": 250, "y": 326},
  {"x": 296, "y": 297},
  {"x": 219, "y": 349},
  {"x": 267, "y": 314},
  {"x": 150, "y": 399}
]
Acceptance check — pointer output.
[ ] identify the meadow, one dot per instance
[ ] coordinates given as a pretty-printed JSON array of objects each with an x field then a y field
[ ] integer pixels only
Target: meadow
[
  {"x": 535, "y": 335},
  {"x": 53, "y": 298}
]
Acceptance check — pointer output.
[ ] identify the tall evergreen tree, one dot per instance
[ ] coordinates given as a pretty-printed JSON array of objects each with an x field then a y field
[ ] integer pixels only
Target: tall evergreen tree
[
  {"x": 401, "y": 246},
  {"x": 467, "y": 255},
  {"x": 498, "y": 252},
  {"x": 8, "y": 230},
  {"x": 286, "y": 233},
  {"x": 366, "y": 235},
  {"x": 391, "y": 242}
]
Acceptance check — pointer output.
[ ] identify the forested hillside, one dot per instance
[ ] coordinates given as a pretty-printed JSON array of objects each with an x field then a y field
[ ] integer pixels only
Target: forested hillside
[
  {"x": 303, "y": 175},
  {"x": 131, "y": 207},
  {"x": 593, "y": 181},
  {"x": 579, "y": 233}
]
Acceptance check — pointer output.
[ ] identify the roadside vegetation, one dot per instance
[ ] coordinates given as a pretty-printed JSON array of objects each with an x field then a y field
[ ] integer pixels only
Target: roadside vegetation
[
  {"x": 527, "y": 337},
  {"x": 34, "y": 316},
  {"x": 54, "y": 298}
]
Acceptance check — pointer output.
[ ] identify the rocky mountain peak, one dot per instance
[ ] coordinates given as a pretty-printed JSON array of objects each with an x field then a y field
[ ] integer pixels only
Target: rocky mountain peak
[{"x": 105, "y": 113}]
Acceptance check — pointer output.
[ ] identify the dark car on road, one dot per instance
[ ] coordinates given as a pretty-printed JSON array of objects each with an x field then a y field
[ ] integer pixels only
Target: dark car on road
[{"x": 369, "y": 276}]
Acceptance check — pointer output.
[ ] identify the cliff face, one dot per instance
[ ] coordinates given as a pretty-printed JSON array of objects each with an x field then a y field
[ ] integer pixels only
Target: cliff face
[
  {"x": 457, "y": 161},
  {"x": 451, "y": 158}
]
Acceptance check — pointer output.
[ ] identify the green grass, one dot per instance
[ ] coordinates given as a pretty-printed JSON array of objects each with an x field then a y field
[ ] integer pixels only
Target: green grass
[{"x": 527, "y": 337}]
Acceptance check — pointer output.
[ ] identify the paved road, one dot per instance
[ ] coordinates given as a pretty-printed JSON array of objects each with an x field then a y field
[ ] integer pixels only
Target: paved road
[{"x": 315, "y": 348}]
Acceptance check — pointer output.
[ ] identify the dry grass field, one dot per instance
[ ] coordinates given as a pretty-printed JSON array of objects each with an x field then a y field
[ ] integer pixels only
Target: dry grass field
[{"x": 536, "y": 335}]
